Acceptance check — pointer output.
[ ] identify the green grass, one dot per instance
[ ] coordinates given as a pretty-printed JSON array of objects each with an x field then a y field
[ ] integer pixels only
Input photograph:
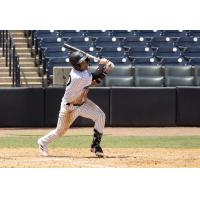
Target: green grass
[{"x": 83, "y": 141}]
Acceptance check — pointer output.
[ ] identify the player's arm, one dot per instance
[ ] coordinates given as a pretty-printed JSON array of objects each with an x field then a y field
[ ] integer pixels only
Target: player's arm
[{"x": 105, "y": 67}]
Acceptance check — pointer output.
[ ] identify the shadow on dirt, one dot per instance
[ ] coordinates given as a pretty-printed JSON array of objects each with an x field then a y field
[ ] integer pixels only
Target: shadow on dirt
[{"x": 93, "y": 157}]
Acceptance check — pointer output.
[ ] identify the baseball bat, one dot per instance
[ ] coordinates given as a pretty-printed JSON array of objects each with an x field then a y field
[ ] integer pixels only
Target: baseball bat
[{"x": 76, "y": 49}]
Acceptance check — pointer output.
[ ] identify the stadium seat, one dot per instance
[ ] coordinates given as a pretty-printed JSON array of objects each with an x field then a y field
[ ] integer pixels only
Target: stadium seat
[
  {"x": 197, "y": 81},
  {"x": 174, "y": 34},
  {"x": 178, "y": 71},
  {"x": 133, "y": 41},
  {"x": 145, "y": 62},
  {"x": 119, "y": 81},
  {"x": 120, "y": 61},
  {"x": 148, "y": 76},
  {"x": 66, "y": 39},
  {"x": 157, "y": 42},
  {"x": 148, "y": 34},
  {"x": 148, "y": 71},
  {"x": 192, "y": 52},
  {"x": 179, "y": 76},
  {"x": 149, "y": 81},
  {"x": 194, "y": 33},
  {"x": 107, "y": 41},
  {"x": 168, "y": 52},
  {"x": 140, "y": 52},
  {"x": 96, "y": 33},
  {"x": 58, "y": 62},
  {"x": 47, "y": 43},
  {"x": 71, "y": 33},
  {"x": 122, "y": 33},
  {"x": 186, "y": 42},
  {"x": 51, "y": 42},
  {"x": 173, "y": 61},
  {"x": 171, "y": 81},
  {"x": 111, "y": 52},
  {"x": 197, "y": 75},
  {"x": 194, "y": 62},
  {"x": 55, "y": 52},
  {"x": 122, "y": 71},
  {"x": 40, "y": 34},
  {"x": 80, "y": 41}
]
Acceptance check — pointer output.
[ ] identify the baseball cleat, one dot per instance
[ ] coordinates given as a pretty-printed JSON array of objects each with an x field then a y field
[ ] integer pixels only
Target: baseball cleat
[
  {"x": 98, "y": 151},
  {"x": 43, "y": 149}
]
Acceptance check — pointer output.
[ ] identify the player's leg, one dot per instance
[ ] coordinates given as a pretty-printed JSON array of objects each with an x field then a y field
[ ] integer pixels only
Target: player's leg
[
  {"x": 66, "y": 117},
  {"x": 91, "y": 111}
]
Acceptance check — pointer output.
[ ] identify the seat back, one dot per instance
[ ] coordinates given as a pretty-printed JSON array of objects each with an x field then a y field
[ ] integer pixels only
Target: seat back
[
  {"x": 149, "y": 81},
  {"x": 112, "y": 52},
  {"x": 148, "y": 71},
  {"x": 178, "y": 71},
  {"x": 173, "y": 61},
  {"x": 168, "y": 52},
  {"x": 186, "y": 42},
  {"x": 107, "y": 42},
  {"x": 140, "y": 52},
  {"x": 194, "y": 33},
  {"x": 174, "y": 34},
  {"x": 71, "y": 33},
  {"x": 51, "y": 42},
  {"x": 145, "y": 62},
  {"x": 161, "y": 41},
  {"x": 172, "y": 81},
  {"x": 122, "y": 33},
  {"x": 80, "y": 41},
  {"x": 119, "y": 81},
  {"x": 149, "y": 34},
  {"x": 96, "y": 33},
  {"x": 194, "y": 62},
  {"x": 122, "y": 71},
  {"x": 191, "y": 52},
  {"x": 120, "y": 61},
  {"x": 134, "y": 41}
]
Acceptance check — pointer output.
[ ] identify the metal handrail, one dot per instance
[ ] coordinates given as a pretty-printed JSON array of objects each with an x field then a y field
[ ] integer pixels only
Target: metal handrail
[
  {"x": 17, "y": 72},
  {"x": 11, "y": 57}
]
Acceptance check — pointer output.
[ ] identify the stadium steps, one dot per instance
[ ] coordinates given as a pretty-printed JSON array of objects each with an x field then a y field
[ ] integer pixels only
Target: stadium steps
[
  {"x": 4, "y": 73},
  {"x": 29, "y": 72}
]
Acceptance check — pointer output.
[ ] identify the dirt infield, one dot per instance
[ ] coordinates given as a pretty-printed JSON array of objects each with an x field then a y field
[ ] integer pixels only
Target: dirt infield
[
  {"x": 148, "y": 131},
  {"x": 114, "y": 157},
  {"x": 82, "y": 158}
]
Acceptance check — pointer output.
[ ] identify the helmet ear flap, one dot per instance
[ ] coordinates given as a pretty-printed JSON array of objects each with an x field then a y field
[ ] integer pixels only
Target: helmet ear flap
[{"x": 78, "y": 67}]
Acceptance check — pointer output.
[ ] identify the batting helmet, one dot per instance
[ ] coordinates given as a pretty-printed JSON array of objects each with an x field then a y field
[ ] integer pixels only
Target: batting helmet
[{"x": 76, "y": 58}]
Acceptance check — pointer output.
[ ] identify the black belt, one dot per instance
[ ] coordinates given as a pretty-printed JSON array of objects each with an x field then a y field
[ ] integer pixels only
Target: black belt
[{"x": 68, "y": 104}]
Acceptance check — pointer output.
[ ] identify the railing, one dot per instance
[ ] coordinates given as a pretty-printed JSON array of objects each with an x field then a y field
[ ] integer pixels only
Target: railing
[{"x": 11, "y": 57}]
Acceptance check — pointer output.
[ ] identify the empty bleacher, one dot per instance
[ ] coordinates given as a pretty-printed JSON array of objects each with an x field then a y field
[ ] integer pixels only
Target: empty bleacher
[{"x": 162, "y": 58}]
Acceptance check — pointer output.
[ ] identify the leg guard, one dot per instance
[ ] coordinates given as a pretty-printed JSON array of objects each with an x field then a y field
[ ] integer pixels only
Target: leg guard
[{"x": 95, "y": 146}]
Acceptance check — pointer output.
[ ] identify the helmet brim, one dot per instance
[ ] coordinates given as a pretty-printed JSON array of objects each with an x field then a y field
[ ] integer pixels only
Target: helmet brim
[{"x": 82, "y": 59}]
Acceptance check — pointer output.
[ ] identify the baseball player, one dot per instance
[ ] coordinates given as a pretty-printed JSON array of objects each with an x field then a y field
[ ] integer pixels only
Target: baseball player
[{"x": 75, "y": 102}]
